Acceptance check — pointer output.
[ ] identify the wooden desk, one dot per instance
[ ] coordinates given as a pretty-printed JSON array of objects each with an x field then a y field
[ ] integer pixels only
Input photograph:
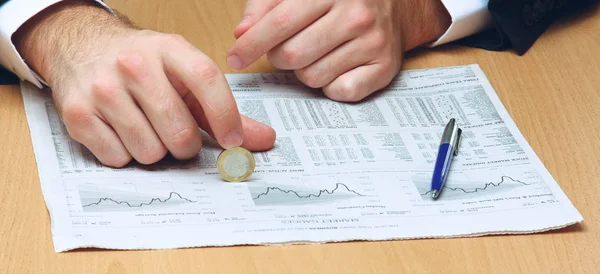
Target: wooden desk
[{"x": 552, "y": 93}]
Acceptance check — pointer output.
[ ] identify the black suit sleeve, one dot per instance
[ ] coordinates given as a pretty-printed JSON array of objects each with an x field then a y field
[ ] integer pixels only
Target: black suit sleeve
[
  {"x": 6, "y": 77},
  {"x": 519, "y": 23}
]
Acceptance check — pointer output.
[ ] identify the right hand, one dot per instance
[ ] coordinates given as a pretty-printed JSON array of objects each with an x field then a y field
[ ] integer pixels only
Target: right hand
[
  {"x": 126, "y": 93},
  {"x": 348, "y": 48}
]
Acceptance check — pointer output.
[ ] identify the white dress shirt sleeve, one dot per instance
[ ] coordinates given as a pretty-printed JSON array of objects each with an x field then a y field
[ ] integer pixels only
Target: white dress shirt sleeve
[
  {"x": 13, "y": 14},
  {"x": 468, "y": 17}
]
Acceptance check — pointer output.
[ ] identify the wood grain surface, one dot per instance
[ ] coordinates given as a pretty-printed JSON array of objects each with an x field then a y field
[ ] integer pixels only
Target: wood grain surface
[{"x": 552, "y": 93}]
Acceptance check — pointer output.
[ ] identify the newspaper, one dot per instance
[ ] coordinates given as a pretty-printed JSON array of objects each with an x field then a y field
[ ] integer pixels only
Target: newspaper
[{"x": 337, "y": 172}]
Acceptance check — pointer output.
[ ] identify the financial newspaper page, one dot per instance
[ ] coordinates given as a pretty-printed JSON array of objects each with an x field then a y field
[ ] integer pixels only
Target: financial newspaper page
[{"x": 337, "y": 172}]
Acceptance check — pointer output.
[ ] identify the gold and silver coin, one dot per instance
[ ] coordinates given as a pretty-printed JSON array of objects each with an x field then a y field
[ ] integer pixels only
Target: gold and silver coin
[{"x": 236, "y": 164}]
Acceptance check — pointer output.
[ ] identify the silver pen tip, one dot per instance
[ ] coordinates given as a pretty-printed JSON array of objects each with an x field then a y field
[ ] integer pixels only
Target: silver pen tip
[{"x": 434, "y": 194}]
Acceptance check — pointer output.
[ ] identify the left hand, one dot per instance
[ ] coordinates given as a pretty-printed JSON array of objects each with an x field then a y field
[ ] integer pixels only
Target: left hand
[{"x": 350, "y": 48}]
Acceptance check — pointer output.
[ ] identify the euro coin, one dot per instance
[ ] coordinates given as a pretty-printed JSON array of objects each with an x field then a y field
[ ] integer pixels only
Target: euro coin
[{"x": 235, "y": 164}]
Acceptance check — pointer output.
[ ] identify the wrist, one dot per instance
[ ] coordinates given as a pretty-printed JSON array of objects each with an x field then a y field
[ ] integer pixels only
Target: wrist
[
  {"x": 63, "y": 34},
  {"x": 423, "y": 21}
]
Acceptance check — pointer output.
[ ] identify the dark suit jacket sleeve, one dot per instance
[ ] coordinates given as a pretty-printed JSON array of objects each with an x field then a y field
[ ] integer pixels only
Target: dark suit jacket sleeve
[
  {"x": 519, "y": 23},
  {"x": 6, "y": 77}
]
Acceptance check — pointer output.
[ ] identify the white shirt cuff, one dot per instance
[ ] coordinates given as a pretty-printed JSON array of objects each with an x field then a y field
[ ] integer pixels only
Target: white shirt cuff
[
  {"x": 468, "y": 17},
  {"x": 13, "y": 14}
]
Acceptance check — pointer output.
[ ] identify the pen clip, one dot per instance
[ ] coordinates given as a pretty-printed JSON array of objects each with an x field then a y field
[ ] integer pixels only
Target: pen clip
[
  {"x": 458, "y": 137},
  {"x": 452, "y": 135}
]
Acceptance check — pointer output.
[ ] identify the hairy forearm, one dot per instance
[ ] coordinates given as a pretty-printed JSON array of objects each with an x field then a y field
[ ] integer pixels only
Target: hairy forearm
[
  {"x": 62, "y": 35},
  {"x": 423, "y": 21}
]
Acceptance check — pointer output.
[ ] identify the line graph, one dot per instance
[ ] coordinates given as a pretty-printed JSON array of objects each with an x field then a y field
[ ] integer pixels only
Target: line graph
[
  {"x": 141, "y": 204},
  {"x": 463, "y": 184},
  {"x": 503, "y": 180},
  {"x": 303, "y": 191},
  {"x": 321, "y": 192},
  {"x": 136, "y": 195}
]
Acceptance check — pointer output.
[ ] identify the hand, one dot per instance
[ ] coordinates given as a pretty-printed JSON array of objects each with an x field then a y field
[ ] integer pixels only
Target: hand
[
  {"x": 126, "y": 93},
  {"x": 350, "y": 48}
]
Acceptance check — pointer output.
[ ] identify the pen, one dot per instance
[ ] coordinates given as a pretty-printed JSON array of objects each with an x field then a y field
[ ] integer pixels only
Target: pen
[{"x": 448, "y": 148}]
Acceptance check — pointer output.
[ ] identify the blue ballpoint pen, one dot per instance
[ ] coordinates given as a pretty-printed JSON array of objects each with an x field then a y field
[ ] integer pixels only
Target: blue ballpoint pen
[{"x": 447, "y": 150}]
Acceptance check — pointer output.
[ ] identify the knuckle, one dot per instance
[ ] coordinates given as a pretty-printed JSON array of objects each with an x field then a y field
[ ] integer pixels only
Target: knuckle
[
  {"x": 105, "y": 93},
  {"x": 174, "y": 38},
  {"x": 285, "y": 57},
  {"x": 184, "y": 138},
  {"x": 205, "y": 71},
  {"x": 309, "y": 77},
  {"x": 388, "y": 68},
  {"x": 163, "y": 104},
  {"x": 288, "y": 55},
  {"x": 152, "y": 154},
  {"x": 378, "y": 40},
  {"x": 77, "y": 117},
  {"x": 132, "y": 63},
  {"x": 117, "y": 160},
  {"x": 282, "y": 20},
  {"x": 168, "y": 41},
  {"x": 347, "y": 91},
  {"x": 224, "y": 113},
  {"x": 353, "y": 96},
  {"x": 362, "y": 18}
]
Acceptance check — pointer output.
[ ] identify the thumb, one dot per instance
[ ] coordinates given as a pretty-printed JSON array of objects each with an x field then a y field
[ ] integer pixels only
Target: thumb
[{"x": 254, "y": 11}]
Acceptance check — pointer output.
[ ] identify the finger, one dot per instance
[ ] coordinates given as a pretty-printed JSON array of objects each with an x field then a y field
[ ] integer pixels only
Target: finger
[
  {"x": 359, "y": 83},
  {"x": 253, "y": 12},
  {"x": 199, "y": 116},
  {"x": 207, "y": 83},
  {"x": 279, "y": 24},
  {"x": 162, "y": 105},
  {"x": 135, "y": 131},
  {"x": 191, "y": 103},
  {"x": 89, "y": 130},
  {"x": 260, "y": 136},
  {"x": 320, "y": 38},
  {"x": 257, "y": 136},
  {"x": 343, "y": 59}
]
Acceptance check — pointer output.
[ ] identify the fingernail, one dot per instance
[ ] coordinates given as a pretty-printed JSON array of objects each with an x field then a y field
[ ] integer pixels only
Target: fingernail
[
  {"x": 234, "y": 139},
  {"x": 234, "y": 62}
]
